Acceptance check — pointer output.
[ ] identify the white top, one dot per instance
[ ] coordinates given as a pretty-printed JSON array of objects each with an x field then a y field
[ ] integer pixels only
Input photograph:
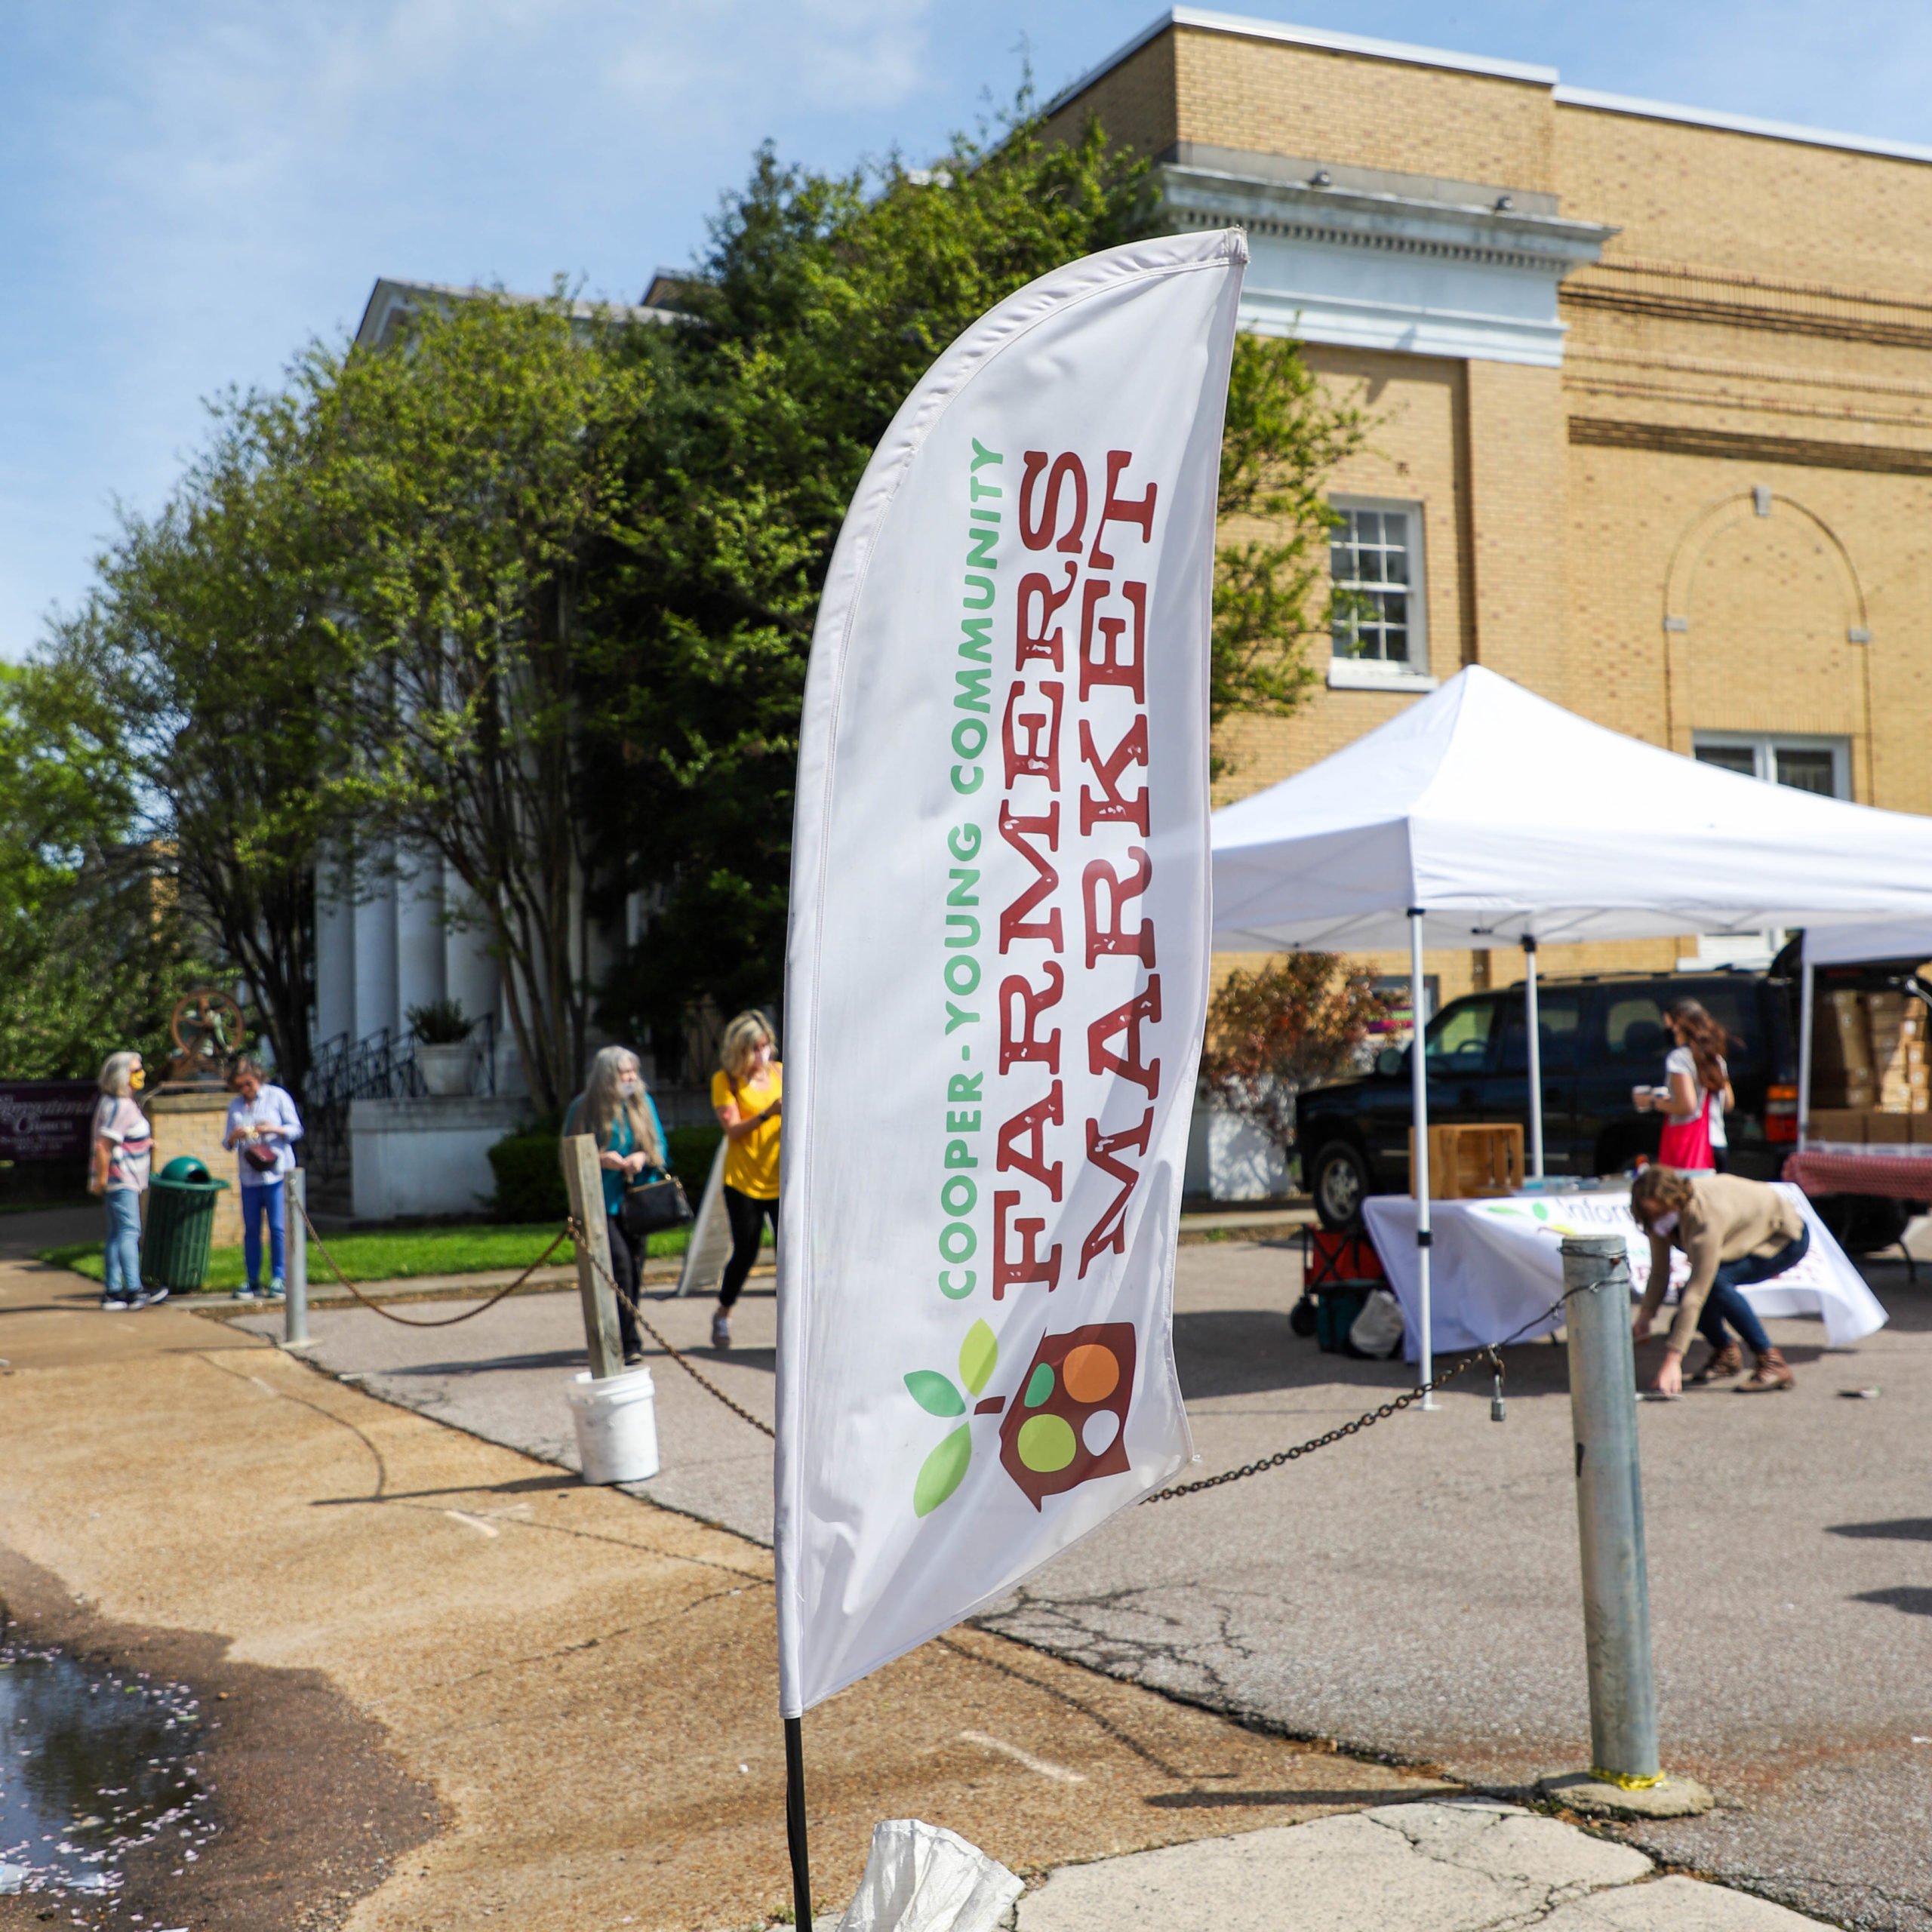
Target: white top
[
  {"x": 1499, "y": 814},
  {"x": 1682, "y": 1059},
  {"x": 271, "y": 1107}
]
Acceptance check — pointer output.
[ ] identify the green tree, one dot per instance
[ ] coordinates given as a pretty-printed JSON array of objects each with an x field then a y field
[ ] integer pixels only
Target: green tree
[
  {"x": 1284, "y": 436},
  {"x": 821, "y": 302},
  {"x": 1299, "y": 1019},
  {"x": 204, "y": 641},
  {"x": 92, "y": 955},
  {"x": 456, "y": 483}
]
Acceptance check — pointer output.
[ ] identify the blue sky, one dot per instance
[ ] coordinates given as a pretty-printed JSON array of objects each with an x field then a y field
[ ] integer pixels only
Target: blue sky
[{"x": 189, "y": 192}]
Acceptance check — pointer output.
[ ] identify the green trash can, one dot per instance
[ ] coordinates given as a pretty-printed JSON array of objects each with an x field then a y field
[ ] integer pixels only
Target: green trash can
[{"x": 180, "y": 1229}]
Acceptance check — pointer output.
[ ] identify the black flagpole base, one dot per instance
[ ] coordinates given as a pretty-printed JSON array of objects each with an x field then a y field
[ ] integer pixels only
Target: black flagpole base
[{"x": 795, "y": 1823}]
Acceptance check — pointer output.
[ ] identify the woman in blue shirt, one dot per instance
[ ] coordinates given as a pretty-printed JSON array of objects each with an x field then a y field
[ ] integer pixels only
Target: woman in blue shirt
[
  {"x": 616, "y": 1109},
  {"x": 263, "y": 1127}
]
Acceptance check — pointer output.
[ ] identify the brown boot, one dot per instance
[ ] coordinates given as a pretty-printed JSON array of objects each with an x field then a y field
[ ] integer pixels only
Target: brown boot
[
  {"x": 1719, "y": 1363},
  {"x": 1771, "y": 1373}
]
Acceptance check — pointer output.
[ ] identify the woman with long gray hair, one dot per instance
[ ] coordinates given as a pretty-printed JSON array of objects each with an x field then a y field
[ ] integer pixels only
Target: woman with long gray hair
[
  {"x": 617, "y": 1112},
  {"x": 122, "y": 1145}
]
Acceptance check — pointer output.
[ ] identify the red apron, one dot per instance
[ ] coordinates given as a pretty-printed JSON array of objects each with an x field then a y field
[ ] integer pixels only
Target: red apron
[{"x": 1686, "y": 1143}]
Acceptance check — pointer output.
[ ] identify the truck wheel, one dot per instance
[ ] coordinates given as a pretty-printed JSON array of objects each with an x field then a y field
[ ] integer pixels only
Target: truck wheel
[{"x": 1340, "y": 1182}]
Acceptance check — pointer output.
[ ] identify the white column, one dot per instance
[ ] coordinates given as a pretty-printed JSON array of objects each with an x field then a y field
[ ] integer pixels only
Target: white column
[
  {"x": 419, "y": 936},
  {"x": 375, "y": 959},
  {"x": 335, "y": 952}
]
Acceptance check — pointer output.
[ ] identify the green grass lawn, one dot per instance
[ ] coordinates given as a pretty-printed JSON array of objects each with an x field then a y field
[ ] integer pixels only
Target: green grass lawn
[{"x": 387, "y": 1256}]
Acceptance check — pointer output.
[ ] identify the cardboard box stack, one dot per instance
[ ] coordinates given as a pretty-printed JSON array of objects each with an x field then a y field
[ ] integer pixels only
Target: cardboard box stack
[
  {"x": 1841, "y": 1055},
  {"x": 1868, "y": 1082},
  {"x": 1895, "y": 1026}
]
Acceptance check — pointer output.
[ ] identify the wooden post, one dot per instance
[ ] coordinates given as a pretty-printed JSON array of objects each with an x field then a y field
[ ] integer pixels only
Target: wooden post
[{"x": 584, "y": 1179}]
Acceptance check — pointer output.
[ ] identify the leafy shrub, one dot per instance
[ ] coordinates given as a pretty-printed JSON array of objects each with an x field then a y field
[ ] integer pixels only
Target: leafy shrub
[
  {"x": 442, "y": 1023},
  {"x": 530, "y": 1178},
  {"x": 691, "y": 1151}
]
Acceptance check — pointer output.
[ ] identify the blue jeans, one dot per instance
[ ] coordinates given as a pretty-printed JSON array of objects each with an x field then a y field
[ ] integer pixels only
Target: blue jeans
[
  {"x": 124, "y": 1240},
  {"x": 1725, "y": 1302},
  {"x": 255, "y": 1202}
]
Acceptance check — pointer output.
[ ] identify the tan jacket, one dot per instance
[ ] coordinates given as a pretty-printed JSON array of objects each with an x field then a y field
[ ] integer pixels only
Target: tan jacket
[{"x": 1726, "y": 1218}]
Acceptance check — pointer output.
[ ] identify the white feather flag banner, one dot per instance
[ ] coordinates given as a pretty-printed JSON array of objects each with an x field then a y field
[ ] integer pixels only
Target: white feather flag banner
[{"x": 996, "y": 977}]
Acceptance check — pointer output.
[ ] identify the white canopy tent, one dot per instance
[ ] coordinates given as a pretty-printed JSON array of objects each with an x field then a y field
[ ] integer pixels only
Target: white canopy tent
[{"x": 1485, "y": 816}]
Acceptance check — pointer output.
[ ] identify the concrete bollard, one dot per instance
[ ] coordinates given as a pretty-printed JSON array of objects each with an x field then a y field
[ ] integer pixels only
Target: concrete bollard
[
  {"x": 295, "y": 1281},
  {"x": 1624, "y": 1775},
  {"x": 1610, "y": 1506}
]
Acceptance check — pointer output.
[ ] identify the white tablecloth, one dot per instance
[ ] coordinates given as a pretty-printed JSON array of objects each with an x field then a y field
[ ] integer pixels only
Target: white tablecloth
[{"x": 1494, "y": 1264}]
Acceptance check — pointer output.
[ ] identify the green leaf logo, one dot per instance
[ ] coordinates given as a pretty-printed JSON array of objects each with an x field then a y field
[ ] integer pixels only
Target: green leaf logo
[
  {"x": 942, "y": 1471},
  {"x": 979, "y": 1355},
  {"x": 937, "y": 1396}
]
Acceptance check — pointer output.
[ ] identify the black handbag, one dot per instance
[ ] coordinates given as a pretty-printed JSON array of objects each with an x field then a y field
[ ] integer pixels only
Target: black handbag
[{"x": 651, "y": 1206}]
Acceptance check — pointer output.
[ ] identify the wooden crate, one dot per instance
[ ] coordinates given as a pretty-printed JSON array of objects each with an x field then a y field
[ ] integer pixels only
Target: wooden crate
[{"x": 1471, "y": 1160}]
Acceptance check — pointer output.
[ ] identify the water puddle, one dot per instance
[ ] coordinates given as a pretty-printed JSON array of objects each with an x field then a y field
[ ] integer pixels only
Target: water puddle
[{"x": 94, "y": 1765}]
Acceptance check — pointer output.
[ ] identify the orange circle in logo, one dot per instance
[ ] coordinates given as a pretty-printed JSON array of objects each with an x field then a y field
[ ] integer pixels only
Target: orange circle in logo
[{"x": 1090, "y": 1373}]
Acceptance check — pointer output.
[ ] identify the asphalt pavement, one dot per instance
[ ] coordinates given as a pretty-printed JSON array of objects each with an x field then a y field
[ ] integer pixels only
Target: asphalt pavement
[{"x": 1412, "y": 1591}]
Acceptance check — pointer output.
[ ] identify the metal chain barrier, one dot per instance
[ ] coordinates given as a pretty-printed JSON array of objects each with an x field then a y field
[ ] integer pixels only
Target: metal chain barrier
[
  {"x": 571, "y": 1228},
  {"x": 447, "y": 1321},
  {"x": 1283, "y": 1456}
]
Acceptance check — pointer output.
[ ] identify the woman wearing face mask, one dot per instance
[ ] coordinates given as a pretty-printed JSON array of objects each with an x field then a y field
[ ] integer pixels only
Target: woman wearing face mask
[
  {"x": 1696, "y": 1092},
  {"x": 617, "y": 1112},
  {"x": 123, "y": 1144},
  {"x": 1735, "y": 1232},
  {"x": 747, "y": 1094}
]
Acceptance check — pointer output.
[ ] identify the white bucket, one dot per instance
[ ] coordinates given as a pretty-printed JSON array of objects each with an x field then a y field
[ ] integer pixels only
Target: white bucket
[{"x": 617, "y": 1425}]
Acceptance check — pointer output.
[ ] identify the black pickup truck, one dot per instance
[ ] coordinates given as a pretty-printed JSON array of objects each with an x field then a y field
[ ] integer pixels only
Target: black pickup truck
[{"x": 1601, "y": 1036}]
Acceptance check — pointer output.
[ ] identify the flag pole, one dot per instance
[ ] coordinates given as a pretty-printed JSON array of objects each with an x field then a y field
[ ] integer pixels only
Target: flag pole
[{"x": 795, "y": 1823}]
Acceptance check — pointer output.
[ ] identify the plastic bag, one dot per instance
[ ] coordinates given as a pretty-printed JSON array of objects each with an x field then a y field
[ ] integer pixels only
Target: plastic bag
[
  {"x": 921, "y": 1878},
  {"x": 1376, "y": 1332}
]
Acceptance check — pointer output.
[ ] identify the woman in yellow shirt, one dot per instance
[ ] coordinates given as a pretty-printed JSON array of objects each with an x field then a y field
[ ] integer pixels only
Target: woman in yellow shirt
[{"x": 746, "y": 1096}]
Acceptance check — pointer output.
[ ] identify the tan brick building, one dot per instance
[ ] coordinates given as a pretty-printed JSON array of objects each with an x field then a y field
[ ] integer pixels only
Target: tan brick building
[{"x": 1652, "y": 390}]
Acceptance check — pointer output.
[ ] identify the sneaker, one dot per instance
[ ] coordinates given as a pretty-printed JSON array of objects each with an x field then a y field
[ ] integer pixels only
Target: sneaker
[
  {"x": 278, "y": 1291},
  {"x": 721, "y": 1330},
  {"x": 633, "y": 1357},
  {"x": 116, "y": 1304},
  {"x": 249, "y": 1293},
  {"x": 148, "y": 1297}
]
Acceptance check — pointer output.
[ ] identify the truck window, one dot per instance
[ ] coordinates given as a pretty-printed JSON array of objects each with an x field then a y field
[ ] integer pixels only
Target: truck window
[
  {"x": 1461, "y": 1039},
  {"x": 1633, "y": 1032},
  {"x": 1559, "y": 1017}
]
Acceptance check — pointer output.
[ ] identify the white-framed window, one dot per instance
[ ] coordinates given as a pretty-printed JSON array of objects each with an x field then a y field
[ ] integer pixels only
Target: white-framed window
[
  {"x": 1380, "y": 627},
  {"x": 1822, "y": 765},
  {"x": 1806, "y": 764}
]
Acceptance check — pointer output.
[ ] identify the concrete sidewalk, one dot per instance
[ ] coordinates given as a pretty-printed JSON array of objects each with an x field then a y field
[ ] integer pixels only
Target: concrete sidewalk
[{"x": 1470, "y": 1864}]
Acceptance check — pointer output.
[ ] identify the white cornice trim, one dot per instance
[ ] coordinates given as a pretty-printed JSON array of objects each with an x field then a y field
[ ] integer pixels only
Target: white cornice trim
[
  {"x": 391, "y": 293},
  {"x": 1739, "y": 123},
  {"x": 1395, "y": 224}
]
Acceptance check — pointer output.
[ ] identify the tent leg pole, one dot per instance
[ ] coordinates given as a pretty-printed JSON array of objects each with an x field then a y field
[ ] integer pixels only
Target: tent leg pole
[
  {"x": 795, "y": 1823},
  {"x": 1534, "y": 1032},
  {"x": 1419, "y": 1093},
  {"x": 1806, "y": 995}
]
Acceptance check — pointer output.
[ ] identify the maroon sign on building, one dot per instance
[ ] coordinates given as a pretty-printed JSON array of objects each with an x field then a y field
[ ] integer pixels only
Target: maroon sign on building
[{"x": 46, "y": 1120}]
